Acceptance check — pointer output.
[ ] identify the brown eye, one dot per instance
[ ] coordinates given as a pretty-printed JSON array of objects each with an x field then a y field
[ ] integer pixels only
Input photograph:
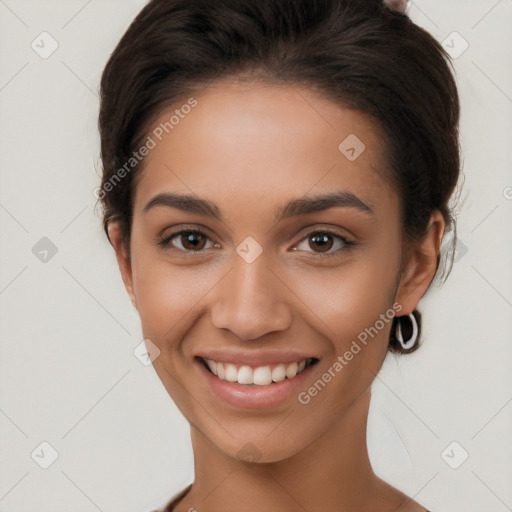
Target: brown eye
[
  {"x": 192, "y": 241},
  {"x": 321, "y": 243},
  {"x": 188, "y": 241}
]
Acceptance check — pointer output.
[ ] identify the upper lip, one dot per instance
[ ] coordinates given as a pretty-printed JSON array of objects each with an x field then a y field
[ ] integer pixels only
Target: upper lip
[{"x": 253, "y": 357}]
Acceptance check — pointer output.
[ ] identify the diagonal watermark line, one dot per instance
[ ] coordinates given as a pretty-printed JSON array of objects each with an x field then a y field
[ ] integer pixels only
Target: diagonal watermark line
[
  {"x": 14, "y": 76},
  {"x": 491, "y": 490},
  {"x": 198, "y": 301},
  {"x": 76, "y": 217},
  {"x": 286, "y": 491},
  {"x": 270, "y": 268},
  {"x": 218, "y": 485},
  {"x": 94, "y": 92},
  {"x": 481, "y": 222},
  {"x": 486, "y": 14},
  {"x": 409, "y": 499},
  {"x": 76, "y": 14},
  {"x": 314, "y": 185},
  {"x": 503, "y": 407},
  {"x": 96, "y": 300},
  {"x": 306, "y": 101},
  {"x": 118, "y": 381},
  {"x": 493, "y": 287},
  {"x": 492, "y": 81},
  {"x": 13, "y": 218},
  {"x": 198, "y": 403},
  {"x": 376, "y": 376},
  {"x": 14, "y": 485},
  {"x": 3, "y": 3},
  {"x": 12, "y": 280},
  {"x": 14, "y": 423},
  {"x": 281, "y": 422},
  {"x": 191, "y": 191},
  {"x": 81, "y": 491},
  {"x": 424, "y": 14}
]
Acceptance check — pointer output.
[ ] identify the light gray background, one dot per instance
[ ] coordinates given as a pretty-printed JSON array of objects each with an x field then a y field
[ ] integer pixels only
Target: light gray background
[{"x": 68, "y": 375}]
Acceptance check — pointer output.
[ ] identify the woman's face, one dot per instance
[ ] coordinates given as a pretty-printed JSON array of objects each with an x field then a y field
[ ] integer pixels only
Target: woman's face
[{"x": 277, "y": 275}]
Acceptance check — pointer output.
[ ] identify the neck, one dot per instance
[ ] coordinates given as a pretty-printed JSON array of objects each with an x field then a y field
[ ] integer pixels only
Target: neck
[{"x": 332, "y": 473}]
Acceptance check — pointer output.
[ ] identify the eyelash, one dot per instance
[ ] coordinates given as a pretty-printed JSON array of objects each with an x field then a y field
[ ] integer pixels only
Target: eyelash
[{"x": 165, "y": 242}]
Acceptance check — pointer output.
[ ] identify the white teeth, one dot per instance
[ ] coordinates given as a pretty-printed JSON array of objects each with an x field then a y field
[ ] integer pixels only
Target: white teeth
[
  {"x": 245, "y": 375},
  {"x": 262, "y": 376},
  {"x": 212, "y": 365},
  {"x": 291, "y": 371},
  {"x": 231, "y": 373},
  {"x": 259, "y": 376},
  {"x": 279, "y": 373},
  {"x": 221, "y": 372}
]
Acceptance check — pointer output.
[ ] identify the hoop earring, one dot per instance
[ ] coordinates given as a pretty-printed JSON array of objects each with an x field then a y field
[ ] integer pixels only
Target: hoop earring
[{"x": 409, "y": 343}]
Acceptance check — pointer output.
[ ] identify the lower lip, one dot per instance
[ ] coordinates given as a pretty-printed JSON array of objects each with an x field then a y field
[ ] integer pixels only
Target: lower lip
[{"x": 255, "y": 397}]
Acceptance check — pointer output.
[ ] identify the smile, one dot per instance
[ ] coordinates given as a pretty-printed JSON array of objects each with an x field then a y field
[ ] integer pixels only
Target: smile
[{"x": 257, "y": 375}]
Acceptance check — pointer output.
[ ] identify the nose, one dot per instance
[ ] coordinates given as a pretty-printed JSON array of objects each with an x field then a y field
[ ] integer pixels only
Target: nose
[{"x": 251, "y": 300}]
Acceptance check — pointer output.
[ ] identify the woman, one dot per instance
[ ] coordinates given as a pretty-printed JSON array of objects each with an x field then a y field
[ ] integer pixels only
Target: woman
[{"x": 276, "y": 184}]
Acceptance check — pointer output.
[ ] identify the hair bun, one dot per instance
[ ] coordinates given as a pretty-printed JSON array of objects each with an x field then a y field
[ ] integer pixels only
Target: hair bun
[{"x": 400, "y": 6}]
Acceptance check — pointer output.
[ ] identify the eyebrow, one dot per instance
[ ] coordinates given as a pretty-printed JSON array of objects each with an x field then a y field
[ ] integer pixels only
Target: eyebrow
[{"x": 294, "y": 208}]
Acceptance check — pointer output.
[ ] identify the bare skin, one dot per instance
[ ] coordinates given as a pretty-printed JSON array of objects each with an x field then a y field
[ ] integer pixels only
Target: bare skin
[{"x": 249, "y": 149}]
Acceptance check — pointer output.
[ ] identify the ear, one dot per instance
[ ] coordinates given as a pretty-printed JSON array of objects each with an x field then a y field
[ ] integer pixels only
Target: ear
[
  {"x": 421, "y": 266},
  {"x": 123, "y": 259}
]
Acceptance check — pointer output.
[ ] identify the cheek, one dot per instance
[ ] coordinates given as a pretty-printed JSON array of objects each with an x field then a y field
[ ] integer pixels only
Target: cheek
[
  {"x": 353, "y": 310},
  {"x": 166, "y": 293},
  {"x": 352, "y": 307},
  {"x": 347, "y": 299}
]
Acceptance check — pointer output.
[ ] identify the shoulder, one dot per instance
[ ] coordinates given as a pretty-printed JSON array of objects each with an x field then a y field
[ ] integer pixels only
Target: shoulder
[
  {"x": 395, "y": 499},
  {"x": 173, "y": 501},
  {"x": 413, "y": 506}
]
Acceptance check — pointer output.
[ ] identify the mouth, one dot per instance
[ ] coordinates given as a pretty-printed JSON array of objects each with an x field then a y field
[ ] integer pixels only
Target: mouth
[{"x": 254, "y": 376}]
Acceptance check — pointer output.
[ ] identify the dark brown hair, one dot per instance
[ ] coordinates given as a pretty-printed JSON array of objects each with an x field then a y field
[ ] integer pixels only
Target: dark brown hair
[{"x": 356, "y": 53}]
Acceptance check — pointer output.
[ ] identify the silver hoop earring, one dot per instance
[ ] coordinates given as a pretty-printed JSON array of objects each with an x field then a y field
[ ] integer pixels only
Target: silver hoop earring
[{"x": 409, "y": 343}]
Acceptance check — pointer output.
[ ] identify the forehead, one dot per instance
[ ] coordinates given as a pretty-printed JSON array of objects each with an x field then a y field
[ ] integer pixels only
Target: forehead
[{"x": 247, "y": 144}]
